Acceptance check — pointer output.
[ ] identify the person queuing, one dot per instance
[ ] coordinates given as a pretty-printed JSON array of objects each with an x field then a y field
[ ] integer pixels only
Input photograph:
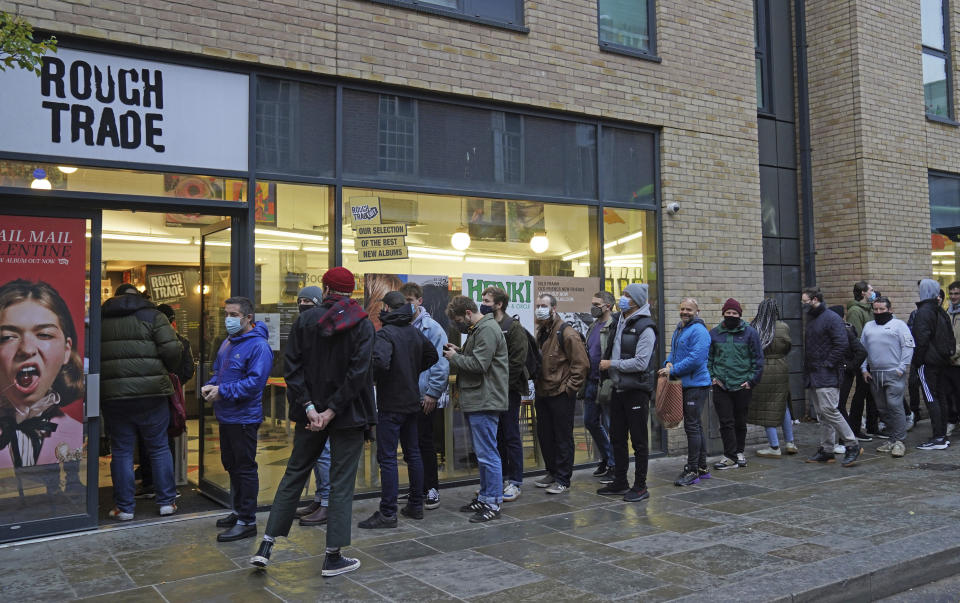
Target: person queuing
[
  {"x": 860, "y": 312},
  {"x": 483, "y": 375},
  {"x": 770, "y": 403},
  {"x": 596, "y": 418},
  {"x": 825, "y": 345},
  {"x": 687, "y": 360},
  {"x": 626, "y": 360},
  {"x": 933, "y": 337},
  {"x": 564, "y": 369},
  {"x": 400, "y": 354},
  {"x": 852, "y": 360},
  {"x": 330, "y": 393},
  {"x": 736, "y": 365},
  {"x": 509, "y": 443},
  {"x": 951, "y": 373},
  {"x": 433, "y": 385},
  {"x": 889, "y": 346},
  {"x": 315, "y": 513},
  {"x": 235, "y": 390}
]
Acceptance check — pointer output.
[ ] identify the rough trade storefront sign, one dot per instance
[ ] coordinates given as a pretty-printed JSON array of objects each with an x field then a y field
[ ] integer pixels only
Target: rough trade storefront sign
[{"x": 86, "y": 105}]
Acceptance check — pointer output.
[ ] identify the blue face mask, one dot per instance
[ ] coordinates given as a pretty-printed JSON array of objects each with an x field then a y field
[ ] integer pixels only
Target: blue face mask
[
  {"x": 624, "y": 303},
  {"x": 234, "y": 324},
  {"x": 872, "y": 297}
]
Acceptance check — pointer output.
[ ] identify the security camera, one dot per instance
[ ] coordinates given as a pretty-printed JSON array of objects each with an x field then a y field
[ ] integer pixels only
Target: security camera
[{"x": 673, "y": 208}]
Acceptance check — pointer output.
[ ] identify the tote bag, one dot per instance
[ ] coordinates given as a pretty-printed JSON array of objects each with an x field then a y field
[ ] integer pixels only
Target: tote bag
[{"x": 669, "y": 402}]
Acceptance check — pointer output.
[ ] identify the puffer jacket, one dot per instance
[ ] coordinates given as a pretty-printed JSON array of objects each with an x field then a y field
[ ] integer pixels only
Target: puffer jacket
[
  {"x": 689, "y": 350},
  {"x": 924, "y": 329},
  {"x": 138, "y": 350},
  {"x": 825, "y": 346},
  {"x": 241, "y": 371},
  {"x": 772, "y": 395},
  {"x": 735, "y": 356}
]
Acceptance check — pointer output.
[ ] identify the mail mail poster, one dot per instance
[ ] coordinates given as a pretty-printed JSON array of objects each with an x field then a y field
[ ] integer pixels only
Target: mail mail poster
[{"x": 42, "y": 297}]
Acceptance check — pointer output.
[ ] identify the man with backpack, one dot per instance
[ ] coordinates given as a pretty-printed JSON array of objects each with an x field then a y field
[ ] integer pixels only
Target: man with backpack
[
  {"x": 859, "y": 313},
  {"x": 854, "y": 357},
  {"x": 565, "y": 366},
  {"x": 935, "y": 344},
  {"x": 495, "y": 302}
]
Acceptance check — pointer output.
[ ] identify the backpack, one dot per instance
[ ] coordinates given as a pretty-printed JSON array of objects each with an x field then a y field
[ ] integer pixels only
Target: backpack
[
  {"x": 575, "y": 330},
  {"x": 533, "y": 363},
  {"x": 856, "y": 353},
  {"x": 943, "y": 340}
]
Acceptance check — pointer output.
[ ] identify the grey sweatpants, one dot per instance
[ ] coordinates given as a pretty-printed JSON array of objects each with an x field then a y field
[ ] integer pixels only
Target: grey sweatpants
[
  {"x": 825, "y": 400},
  {"x": 888, "y": 391}
]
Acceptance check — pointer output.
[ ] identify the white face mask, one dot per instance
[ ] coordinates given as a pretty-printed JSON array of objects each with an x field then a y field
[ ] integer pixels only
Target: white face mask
[{"x": 542, "y": 313}]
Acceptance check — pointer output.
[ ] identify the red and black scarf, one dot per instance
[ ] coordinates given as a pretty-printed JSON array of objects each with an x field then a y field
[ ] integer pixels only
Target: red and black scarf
[{"x": 344, "y": 313}]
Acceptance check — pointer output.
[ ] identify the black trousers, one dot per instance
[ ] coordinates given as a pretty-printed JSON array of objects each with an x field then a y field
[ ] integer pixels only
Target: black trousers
[
  {"x": 509, "y": 442},
  {"x": 238, "y": 453},
  {"x": 694, "y": 399},
  {"x": 428, "y": 449},
  {"x": 950, "y": 385},
  {"x": 555, "y": 432},
  {"x": 914, "y": 388},
  {"x": 732, "y": 409},
  {"x": 931, "y": 382},
  {"x": 862, "y": 395},
  {"x": 629, "y": 412},
  {"x": 845, "y": 386}
]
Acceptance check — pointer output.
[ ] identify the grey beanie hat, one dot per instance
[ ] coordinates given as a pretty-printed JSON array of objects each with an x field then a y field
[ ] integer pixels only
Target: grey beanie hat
[
  {"x": 639, "y": 293},
  {"x": 313, "y": 293}
]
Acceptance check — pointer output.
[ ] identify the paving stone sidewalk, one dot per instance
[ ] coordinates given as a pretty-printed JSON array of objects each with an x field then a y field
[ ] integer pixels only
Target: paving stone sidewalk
[{"x": 778, "y": 529}]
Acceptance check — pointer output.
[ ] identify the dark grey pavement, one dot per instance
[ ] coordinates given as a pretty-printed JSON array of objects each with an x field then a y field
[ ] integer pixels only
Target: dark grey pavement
[
  {"x": 941, "y": 591},
  {"x": 778, "y": 529}
]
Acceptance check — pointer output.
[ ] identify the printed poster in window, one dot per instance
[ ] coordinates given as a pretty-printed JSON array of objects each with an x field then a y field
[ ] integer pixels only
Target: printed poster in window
[
  {"x": 573, "y": 294},
  {"x": 42, "y": 285},
  {"x": 436, "y": 294},
  {"x": 487, "y": 219},
  {"x": 519, "y": 292}
]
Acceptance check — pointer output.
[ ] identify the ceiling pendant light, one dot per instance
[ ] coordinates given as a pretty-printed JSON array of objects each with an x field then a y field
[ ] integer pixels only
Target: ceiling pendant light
[
  {"x": 460, "y": 240},
  {"x": 539, "y": 243},
  {"x": 40, "y": 181}
]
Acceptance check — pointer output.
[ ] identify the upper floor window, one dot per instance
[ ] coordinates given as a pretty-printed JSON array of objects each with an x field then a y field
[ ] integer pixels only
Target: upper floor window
[
  {"x": 504, "y": 13},
  {"x": 937, "y": 79},
  {"x": 760, "y": 30},
  {"x": 397, "y": 132},
  {"x": 627, "y": 26}
]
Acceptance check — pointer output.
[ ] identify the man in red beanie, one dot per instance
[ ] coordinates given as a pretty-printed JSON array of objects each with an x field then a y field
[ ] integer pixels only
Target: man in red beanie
[
  {"x": 736, "y": 365},
  {"x": 330, "y": 393}
]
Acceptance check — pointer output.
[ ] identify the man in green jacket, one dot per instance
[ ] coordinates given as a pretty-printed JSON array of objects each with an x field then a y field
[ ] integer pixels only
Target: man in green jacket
[
  {"x": 483, "y": 373},
  {"x": 139, "y": 350},
  {"x": 860, "y": 312}
]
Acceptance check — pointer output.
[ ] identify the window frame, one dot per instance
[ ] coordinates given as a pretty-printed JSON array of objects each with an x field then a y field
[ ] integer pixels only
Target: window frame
[
  {"x": 465, "y": 12},
  {"x": 651, "y": 54},
  {"x": 944, "y": 55},
  {"x": 761, "y": 30}
]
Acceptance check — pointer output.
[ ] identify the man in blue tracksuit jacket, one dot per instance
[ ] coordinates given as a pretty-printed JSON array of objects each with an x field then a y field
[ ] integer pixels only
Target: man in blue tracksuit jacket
[{"x": 235, "y": 389}]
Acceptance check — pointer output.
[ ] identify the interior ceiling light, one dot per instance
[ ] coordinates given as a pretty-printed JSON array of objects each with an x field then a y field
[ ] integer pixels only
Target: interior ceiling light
[
  {"x": 66, "y": 169},
  {"x": 443, "y": 258},
  {"x": 539, "y": 243},
  {"x": 279, "y": 246},
  {"x": 286, "y": 234},
  {"x": 110, "y": 236},
  {"x": 435, "y": 252},
  {"x": 476, "y": 258},
  {"x": 573, "y": 256},
  {"x": 460, "y": 240},
  {"x": 40, "y": 181}
]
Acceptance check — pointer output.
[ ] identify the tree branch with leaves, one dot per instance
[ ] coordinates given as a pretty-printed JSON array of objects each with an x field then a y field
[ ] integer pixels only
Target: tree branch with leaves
[{"x": 17, "y": 47}]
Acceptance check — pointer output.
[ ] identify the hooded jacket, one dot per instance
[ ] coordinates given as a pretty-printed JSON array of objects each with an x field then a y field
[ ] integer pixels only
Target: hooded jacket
[
  {"x": 689, "y": 351},
  {"x": 482, "y": 368},
  {"x": 240, "y": 371},
  {"x": 433, "y": 381},
  {"x": 328, "y": 362},
  {"x": 139, "y": 349},
  {"x": 400, "y": 354},
  {"x": 858, "y": 314},
  {"x": 825, "y": 347},
  {"x": 736, "y": 356},
  {"x": 924, "y": 326}
]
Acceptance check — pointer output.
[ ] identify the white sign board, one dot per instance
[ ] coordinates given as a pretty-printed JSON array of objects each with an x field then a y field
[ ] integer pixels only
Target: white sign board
[{"x": 87, "y": 105}]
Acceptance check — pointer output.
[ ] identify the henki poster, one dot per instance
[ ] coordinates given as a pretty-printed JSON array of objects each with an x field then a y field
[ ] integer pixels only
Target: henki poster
[
  {"x": 42, "y": 295},
  {"x": 519, "y": 292}
]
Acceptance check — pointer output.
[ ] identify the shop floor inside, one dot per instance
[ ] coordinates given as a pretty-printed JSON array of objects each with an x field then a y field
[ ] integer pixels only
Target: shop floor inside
[{"x": 778, "y": 529}]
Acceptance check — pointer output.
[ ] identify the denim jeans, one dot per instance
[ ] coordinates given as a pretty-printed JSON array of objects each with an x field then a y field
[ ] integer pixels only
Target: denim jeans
[
  {"x": 509, "y": 443},
  {"x": 787, "y": 430},
  {"x": 150, "y": 421},
  {"x": 394, "y": 427},
  {"x": 238, "y": 453},
  {"x": 321, "y": 473},
  {"x": 597, "y": 421},
  {"x": 694, "y": 398},
  {"x": 483, "y": 431}
]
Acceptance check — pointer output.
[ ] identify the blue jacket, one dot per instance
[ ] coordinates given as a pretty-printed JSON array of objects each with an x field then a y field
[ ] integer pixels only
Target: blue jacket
[
  {"x": 689, "y": 349},
  {"x": 241, "y": 370},
  {"x": 433, "y": 381}
]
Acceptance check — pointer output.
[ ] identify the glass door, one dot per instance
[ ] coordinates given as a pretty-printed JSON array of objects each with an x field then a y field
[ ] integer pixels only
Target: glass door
[
  {"x": 215, "y": 265},
  {"x": 49, "y": 372}
]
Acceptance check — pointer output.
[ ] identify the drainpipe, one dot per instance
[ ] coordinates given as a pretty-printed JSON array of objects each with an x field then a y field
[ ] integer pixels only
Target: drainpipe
[{"x": 803, "y": 127}]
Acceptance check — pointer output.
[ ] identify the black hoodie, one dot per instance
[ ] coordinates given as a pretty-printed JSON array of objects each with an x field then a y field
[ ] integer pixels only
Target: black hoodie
[{"x": 400, "y": 354}]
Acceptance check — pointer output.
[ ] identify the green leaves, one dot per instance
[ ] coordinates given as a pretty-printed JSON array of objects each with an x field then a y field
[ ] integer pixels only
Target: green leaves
[{"x": 17, "y": 48}]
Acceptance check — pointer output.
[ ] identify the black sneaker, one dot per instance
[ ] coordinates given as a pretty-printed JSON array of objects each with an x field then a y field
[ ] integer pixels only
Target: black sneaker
[
  {"x": 412, "y": 512},
  {"x": 377, "y": 521},
  {"x": 636, "y": 495},
  {"x": 704, "y": 473},
  {"x": 486, "y": 514},
  {"x": 262, "y": 558},
  {"x": 432, "y": 499},
  {"x": 613, "y": 490},
  {"x": 853, "y": 453},
  {"x": 229, "y": 521},
  {"x": 822, "y": 456},
  {"x": 335, "y": 564},
  {"x": 474, "y": 506},
  {"x": 687, "y": 477},
  {"x": 863, "y": 437},
  {"x": 876, "y": 433},
  {"x": 608, "y": 477},
  {"x": 934, "y": 444},
  {"x": 147, "y": 493},
  {"x": 601, "y": 469}
]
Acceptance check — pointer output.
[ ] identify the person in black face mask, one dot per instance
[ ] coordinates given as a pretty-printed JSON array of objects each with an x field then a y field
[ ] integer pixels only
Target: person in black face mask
[
  {"x": 736, "y": 365},
  {"x": 308, "y": 298}
]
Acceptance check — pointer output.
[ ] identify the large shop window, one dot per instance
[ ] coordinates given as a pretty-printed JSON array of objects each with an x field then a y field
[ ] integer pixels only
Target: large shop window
[
  {"x": 396, "y": 139},
  {"x": 937, "y": 71},
  {"x": 944, "y": 226},
  {"x": 507, "y": 13},
  {"x": 295, "y": 125},
  {"x": 627, "y": 26},
  {"x": 47, "y": 176}
]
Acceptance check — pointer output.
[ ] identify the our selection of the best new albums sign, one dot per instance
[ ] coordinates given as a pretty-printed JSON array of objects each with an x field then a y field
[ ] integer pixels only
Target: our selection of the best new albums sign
[{"x": 93, "y": 106}]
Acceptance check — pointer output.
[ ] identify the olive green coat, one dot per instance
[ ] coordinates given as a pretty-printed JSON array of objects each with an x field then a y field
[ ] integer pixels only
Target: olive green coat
[
  {"x": 772, "y": 394},
  {"x": 482, "y": 367}
]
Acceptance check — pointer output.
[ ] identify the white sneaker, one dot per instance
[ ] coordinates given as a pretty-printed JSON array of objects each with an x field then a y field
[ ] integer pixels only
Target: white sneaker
[
  {"x": 511, "y": 493},
  {"x": 119, "y": 515},
  {"x": 168, "y": 509},
  {"x": 557, "y": 488},
  {"x": 950, "y": 428},
  {"x": 909, "y": 421},
  {"x": 741, "y": 460},
  {"x": 769, "y": 452},
  {"x": 839, "y": 449}
]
